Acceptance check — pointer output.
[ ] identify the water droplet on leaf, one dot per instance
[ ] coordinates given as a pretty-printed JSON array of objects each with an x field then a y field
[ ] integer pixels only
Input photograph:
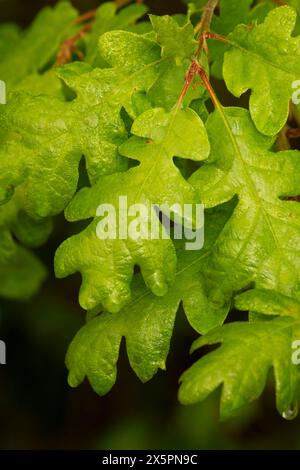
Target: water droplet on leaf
[{"x": 291, "y": 412}]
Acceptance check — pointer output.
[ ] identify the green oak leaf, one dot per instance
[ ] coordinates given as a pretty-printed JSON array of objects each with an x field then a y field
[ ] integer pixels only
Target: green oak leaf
[
  {"x": 296, "y": 4},
  {"x": 38, "y": 153},
  {"x": 108, "y": 19},
  {"x": 171, "y": 64},
  {"x": 265, "y": 59},
  {"x": 9, "y": 35},
  {"x": 178, "y": 47},
  {"x": 32, "y": 50},
  {"x": 53, "y": 135},
  {"x": 147, "y": 322},
  {"x": 241, "y": 365},
  {"x": 260, "y": 243},
  {"x": 44, "y": 137},
  {"x": 21, "y": 275},
  {"x": 233, "y": 13},
  {"x": 31, "y": 232},
  {"x": 107, "y": 264},
  {"x": 47, "y": 83},
  {"x": 268, "y": 302}
]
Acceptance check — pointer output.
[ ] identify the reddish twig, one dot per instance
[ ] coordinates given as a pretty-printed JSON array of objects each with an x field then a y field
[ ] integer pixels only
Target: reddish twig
[
  {"x": 69, "y": 46},
  {"x": 89, "y": 15},
  {"x": 217, "y": 37},
  {"x": 194, "y": 70},
  {"x": 204, "y": 26},
  {"x": 191, "y": 73},
  {"x": 293, "y": 133}
]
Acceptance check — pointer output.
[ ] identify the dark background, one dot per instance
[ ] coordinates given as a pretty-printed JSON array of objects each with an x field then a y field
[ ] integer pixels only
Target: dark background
[
  {"x": 22, "y": 11},
  {"x": 39, "y": 411}
]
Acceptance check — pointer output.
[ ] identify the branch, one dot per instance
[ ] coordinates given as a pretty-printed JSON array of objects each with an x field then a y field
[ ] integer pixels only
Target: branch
[
  {"x": 69, "y": 46},
  {"x": 197, "y": 69},
  {"x": 191, "y": 73},
  {"x": 89, "y": 15},
  {"x": 204, "y": 25},
  {"x": 293, "y": 133},
  {"x": 207, "y": 16}
]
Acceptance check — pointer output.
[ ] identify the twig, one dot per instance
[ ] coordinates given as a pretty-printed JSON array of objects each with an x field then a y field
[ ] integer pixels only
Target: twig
[
  {"x": 204, "y": 33},
  {"x": 293, "y": 133},
  {"x": 86, "y": 16},
  {"x": 69, "y": 46},
  {"x": 204, "y": 26},
  {"x": 194, "y": 70},
  {"x": 208, "y": 87},
  {"x": 206, "y": 18},
  {"x": 191, "y": 73}
]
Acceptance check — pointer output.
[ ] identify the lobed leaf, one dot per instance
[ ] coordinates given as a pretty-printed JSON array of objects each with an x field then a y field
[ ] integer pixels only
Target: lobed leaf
[
  {"x": 107, "y": 264},
  {"x": 109, "y": 19},
  {"x": 147, "y": 322},
  {"x": 233, "y": 13},
  {"x": 241, "y": 365},
  {"x": 32, "y": 50},
  {"x": 270, "y": 52}
]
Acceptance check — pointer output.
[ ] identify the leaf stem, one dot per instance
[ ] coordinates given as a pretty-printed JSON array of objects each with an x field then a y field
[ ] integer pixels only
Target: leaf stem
[
  {"x": 204, "y": 26},
  {"x": 217, "y": 37},
  {"x": 209, "y": 87},
  {"x": 191, "y": 73},
  {"x": 197, "y": 69}
]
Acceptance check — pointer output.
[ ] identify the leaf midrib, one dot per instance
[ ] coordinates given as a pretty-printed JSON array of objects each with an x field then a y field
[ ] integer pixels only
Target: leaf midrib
[{"x": 247, "y": 176}]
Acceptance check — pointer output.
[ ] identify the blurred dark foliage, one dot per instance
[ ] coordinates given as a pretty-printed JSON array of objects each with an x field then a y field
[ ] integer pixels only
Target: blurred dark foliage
[
  {"x": 22, "y": 11},
  {"x": 39, "y": 411}
]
